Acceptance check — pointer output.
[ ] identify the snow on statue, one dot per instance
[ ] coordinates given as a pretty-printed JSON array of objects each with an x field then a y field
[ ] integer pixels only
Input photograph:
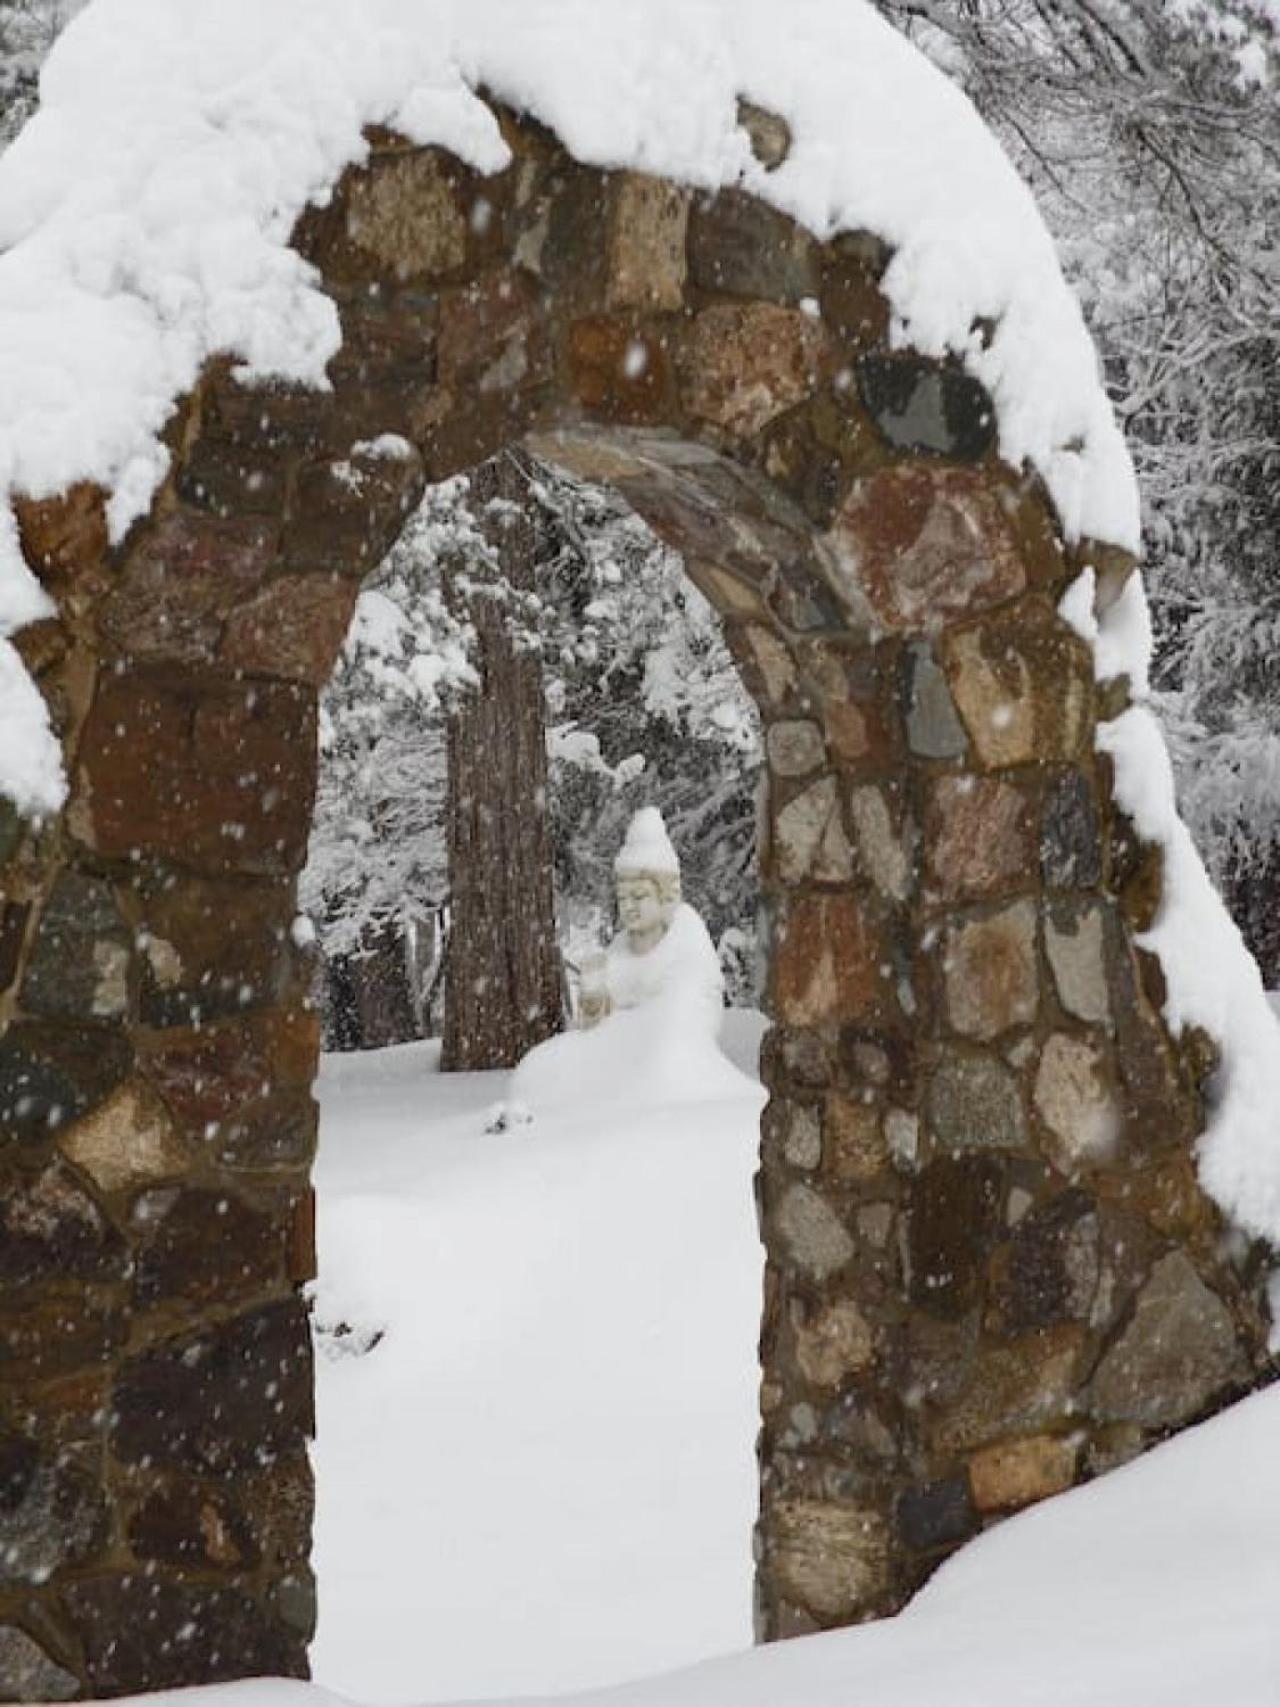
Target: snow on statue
[{"x": 651, "y": 1005}]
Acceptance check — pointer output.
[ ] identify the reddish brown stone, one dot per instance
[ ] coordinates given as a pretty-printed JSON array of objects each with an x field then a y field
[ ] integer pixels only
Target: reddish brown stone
[
  {"x": 207, "y": 1246},
  {"x": 64, "y": 538},
  {"x": 921, "y": 544},
  {"x": 741, "y": 366},
  {"x": 294, "y": 628},
  {"x": 830, "y": 962},
  {"x": 181, "y": 581},
  {"x": 618, "y": 369},
  {"x": 230, "y": 1398},
  {"x": 190, "y": 1523},
  {"x": 214, "y": 1074},
  {"x": 978, "y": 838},
  {"x": 485, "y": 333},
  {"x": 214, "y": 775}
]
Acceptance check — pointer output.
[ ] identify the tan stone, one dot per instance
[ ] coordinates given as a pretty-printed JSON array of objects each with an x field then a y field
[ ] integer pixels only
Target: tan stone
[
  {"x": 645, "y": 246},
  {"x": 829, "y": 962},
  {"x": 742, "y": 365},
  {"x": 881, "y": 850},
  {"x": 979, "y": 838},
  {"x": 809, "y": 837},
  {"x": 924, "y": 543},
  {"x": 990, "y": 972},
  {"x": 1018, "y": 1472},
  {"x": 1022, "y": 689},
  {"x": 802, "y": 1145},
  {"x": 127, "y": 1142},
  {"x": 833, "y": 1344},
  {"x": 831, "y": 1558},
  {"x": 774, "y": 662},
  {"x": 1075, "y": 1102},
  {"x": 855, "y": 1147},
  {"x": 402, "y": 212},
  {"x": 813, "y": 1235},
  {"x": 794, "y": 747}
]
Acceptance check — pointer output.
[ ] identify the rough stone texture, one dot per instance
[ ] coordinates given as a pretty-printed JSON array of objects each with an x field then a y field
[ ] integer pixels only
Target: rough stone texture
[
  {"x": 975, "y": 1103},
  {"x": 1070, "y": 843},
  {"x": 794, "y": 748},
  {"x": 1019, "y": 1473},
  {"x": 834, "y": 1344},
  {"x": 1076, "y": 1104},
  {"x": 934, "y": 729},
  {"x": 810, "y": 838},
  {"x": 855, "y": 1144},
  {"x": 1049, "y": 1270},
  {"x": 829, "y": 963},
  {"x": 990, "y": 971},
  {"x": 1022, "y": 689},
  {"x": 80, "y": 961},
  {"x": 649, "y": 222},
  {"x": 1074, "y": 943},
  {"x": 923, "y": 545},
  {"x": 1180, "y": 1349},
  {"x": 882, "y": 851},
  {"x": 403, "y": 214},
  {"x": 978, "y": 838},
  {"x": 815, "y": 1239},
  {"x": 977, "y": 1174},
  {"x": 829, "y": 1556},
  {"x": 27, "y": 1673},
  {"x": 741, "y": 366}
]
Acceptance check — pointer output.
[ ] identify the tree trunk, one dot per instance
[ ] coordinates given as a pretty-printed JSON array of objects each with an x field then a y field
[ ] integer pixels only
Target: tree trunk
[{"x": 504, "y": 987}]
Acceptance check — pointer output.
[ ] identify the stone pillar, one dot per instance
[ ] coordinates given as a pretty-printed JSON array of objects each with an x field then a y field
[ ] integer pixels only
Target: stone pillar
[
  {"x": 992, "y": 1273},
  {"x": 156, "y": 1132}
]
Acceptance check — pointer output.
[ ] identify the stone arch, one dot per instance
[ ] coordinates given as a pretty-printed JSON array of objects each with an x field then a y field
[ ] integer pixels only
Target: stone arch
[{"x": 991, "y": 1270}]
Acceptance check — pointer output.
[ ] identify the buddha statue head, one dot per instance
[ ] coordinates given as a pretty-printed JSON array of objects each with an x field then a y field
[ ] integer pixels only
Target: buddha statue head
[{"x": 647, "y": 881}]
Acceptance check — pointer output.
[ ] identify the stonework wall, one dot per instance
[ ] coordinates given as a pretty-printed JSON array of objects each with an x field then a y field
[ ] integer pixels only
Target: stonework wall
[{"x": 991, "y": 1272}]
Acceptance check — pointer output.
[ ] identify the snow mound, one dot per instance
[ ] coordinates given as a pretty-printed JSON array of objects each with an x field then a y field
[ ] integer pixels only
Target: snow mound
[{"x": 145, "y": 214}]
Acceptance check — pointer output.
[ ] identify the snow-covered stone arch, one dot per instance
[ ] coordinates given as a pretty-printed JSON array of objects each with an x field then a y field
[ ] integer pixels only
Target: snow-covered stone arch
[{"x": 267, "y": 269}]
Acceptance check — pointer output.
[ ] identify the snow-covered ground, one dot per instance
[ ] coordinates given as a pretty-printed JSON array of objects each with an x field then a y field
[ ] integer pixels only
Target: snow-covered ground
[{"x": 540, "y": 1478}]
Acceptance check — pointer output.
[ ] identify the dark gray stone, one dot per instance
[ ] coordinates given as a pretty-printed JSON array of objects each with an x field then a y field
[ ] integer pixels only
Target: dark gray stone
[
  {"x": 50, "y": 1075},
  {"x": 10, "y": 830},
  {"x": 51, "y": 1515},
  {"x": 1070, "y": 839},
  {"x": 973, "y": 1103},
  {"x": 738, "y": 245},
  {"x": 939, "y": 1514},
  {"x": 1048, "y": 1271},
  {"x": 934, "y": 729},
  {"x": 80, "y": 961},
  {"x": 1178, "y": 1351},
  {"x": 920, "y": 406}
]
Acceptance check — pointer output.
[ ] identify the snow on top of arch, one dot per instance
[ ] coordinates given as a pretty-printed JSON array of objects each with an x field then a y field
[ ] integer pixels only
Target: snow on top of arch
[{"x": 145, "y": 215}]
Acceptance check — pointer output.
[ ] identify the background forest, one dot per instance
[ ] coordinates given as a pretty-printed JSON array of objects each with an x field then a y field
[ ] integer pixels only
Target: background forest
[{"x": 1150, "y": 133}]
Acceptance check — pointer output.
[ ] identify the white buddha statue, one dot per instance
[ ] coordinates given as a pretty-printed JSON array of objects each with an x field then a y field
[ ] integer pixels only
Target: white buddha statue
[
  {"x": 663, "y": 950},
  {"x": 650, "y": 1006}
]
